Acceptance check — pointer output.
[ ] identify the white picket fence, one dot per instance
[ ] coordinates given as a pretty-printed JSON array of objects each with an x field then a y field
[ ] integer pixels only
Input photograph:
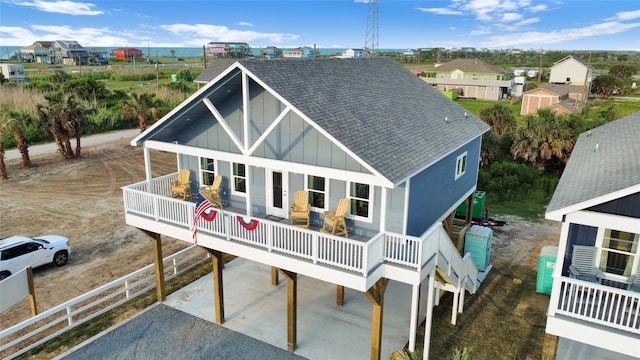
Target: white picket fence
[{"x": 45, "y": 326}]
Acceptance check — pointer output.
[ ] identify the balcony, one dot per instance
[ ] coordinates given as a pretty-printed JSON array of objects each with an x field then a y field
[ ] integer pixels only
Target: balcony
[
  {"x": 599, "y": 304},
  {"x": 357, "y": 262}
]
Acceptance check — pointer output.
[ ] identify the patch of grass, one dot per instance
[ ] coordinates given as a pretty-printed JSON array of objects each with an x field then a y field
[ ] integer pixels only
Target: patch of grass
[
  {"x": 505, "y": 319},
  {"x": 529, "y": 211}
]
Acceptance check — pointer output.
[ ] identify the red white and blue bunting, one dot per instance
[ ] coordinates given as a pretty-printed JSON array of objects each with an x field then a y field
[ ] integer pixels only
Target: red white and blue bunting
[{"x": 249, "y": 225}]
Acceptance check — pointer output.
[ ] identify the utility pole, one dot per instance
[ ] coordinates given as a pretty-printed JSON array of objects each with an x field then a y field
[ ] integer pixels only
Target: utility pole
[
  {"x": 585, "y": 88},
  {"x": 540, "y": 68},
  {"x": 371, "y": 34}
]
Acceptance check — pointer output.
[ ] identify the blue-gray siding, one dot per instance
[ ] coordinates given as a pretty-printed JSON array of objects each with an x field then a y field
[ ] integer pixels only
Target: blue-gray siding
[
  {"x": 433, "y": 191},
  {"x": 578, "y": 235}
]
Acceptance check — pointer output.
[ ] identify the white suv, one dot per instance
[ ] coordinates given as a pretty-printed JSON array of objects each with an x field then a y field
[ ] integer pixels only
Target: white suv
[{"x": 19, "y": 252}]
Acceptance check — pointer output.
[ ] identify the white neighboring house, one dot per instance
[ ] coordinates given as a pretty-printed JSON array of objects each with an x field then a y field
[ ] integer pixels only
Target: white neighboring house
[
  {"x": 354, "y": 53},
  {"x": 598, "y": 202},
  {"x": 13, "y": 72}
]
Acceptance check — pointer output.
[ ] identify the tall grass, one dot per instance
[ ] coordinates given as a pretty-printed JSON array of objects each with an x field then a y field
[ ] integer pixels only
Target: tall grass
[{"x": 21, "y": 98}]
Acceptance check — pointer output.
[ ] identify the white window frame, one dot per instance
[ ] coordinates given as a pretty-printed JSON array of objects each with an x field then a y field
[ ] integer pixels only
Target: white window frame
[
  {"x": 207, "y": 171},
  {"x": 233, "y": 180},
  {"x": 462, "y": 162},
  {"x": 369, "y": 218},
  {"x": 602, "y": 233},
  {"x": 325, "y": 191}
]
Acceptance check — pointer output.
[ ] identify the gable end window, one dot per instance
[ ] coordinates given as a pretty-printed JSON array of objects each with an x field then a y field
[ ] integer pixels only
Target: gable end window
[
  {"x": 239, "y": 179},
  {"x": 461, "y": 165}
]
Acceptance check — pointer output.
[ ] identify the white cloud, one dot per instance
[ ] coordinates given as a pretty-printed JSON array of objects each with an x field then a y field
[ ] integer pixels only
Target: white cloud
[
  {"x": 62, "y": 7},
  {"x": 628, "y": 15},
  {"x": 223, "y": 33},
  {"x": 537, "y": 8},
  {"x": 480, "y": 31},
  {"x": 559, "y": 36},
  {"x": 511, "y": 17},
  {"x": 441, "y": 11},
  {"x": 244, "y": 23}
]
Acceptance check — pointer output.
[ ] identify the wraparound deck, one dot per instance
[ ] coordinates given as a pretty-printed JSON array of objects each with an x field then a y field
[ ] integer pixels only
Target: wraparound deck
[{"x": 356, "y": 262}]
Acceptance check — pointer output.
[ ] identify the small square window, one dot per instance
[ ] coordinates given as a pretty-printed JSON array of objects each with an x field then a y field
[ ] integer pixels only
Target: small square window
[
  {"x": 317, "y": 191},
  {"x": 360, "y": 196}
]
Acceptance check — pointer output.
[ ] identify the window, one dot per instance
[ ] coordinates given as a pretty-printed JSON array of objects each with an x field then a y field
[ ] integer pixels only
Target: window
[
  {"x": 317, "y": 191},
  {"x": 461, "y": 165},
  {"x": 239, "y": 179},
  {"x": 618, "y": 252},
  {"x": 360, "y": 196},
  {"x": 207, "y": 170}
]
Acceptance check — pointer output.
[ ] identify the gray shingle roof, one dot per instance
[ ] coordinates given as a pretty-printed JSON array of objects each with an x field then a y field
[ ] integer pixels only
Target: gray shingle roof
[
  {"x": 470, "y": 65},
  {"x": 591, "y": 174},
  {"x": 383, "y": 113}
]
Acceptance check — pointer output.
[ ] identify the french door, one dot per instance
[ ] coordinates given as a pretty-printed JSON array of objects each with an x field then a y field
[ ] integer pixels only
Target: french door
[{"x": 277, "y": 193}]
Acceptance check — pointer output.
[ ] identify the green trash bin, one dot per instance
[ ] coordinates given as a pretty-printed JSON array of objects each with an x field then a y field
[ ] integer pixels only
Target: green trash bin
[
  {"x": 546, "y": 265},
  {"x": 477, "y": 209}
]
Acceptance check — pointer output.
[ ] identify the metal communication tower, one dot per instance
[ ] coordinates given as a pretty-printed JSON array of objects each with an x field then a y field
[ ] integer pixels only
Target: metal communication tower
[{"x": 371, "y": 36}]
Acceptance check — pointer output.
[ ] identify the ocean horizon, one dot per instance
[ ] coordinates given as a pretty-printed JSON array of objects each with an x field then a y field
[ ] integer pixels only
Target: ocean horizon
[{"x": 7, "y": 51}]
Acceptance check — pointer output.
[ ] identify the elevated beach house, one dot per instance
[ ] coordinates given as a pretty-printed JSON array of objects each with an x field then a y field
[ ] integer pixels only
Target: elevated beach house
[
  {"x": 384, "y": 153},
  {"x": 595, "y": 297}
]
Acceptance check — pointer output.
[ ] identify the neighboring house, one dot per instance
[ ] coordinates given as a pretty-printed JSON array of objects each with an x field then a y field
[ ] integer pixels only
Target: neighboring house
[
  {"x": 354, "y": 53},
  {"x": 472, "y": 79},
  {"x": 229, "y": 49},
  {"x": 366, "y": 130},
  {"x": 271, "y": 52},
  {"x": 569, "y": 85},
  {"x": 35, "y": 54},
  {"x": 561, "y": 99},
  {"x": 13, "y": 72},
  {"x": 126, "y": 53},
  {"x": 69, "y": 52},
  {"x": 301, "y": 52},
  {"x": 571, "y": 70},
  {"x": 598, "y": 202}
]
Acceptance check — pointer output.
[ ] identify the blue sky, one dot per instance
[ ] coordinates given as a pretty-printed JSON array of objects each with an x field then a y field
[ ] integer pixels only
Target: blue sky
[{"x": 492, "y": 24}]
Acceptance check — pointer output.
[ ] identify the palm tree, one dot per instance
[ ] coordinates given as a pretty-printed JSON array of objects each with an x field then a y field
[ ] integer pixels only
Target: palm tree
[
  {"x": 143, "y": 108},
  {"x": 16, "y": 120},
  {"x": 543, "y": 137},
  {"x": 52, "y": 118},
  {"x": 500, "y": 117},
  {"x": 75, "y": 112}
]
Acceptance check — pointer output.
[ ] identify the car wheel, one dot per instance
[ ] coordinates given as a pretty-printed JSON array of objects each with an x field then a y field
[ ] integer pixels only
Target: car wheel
[
  {"x": 4, "y": 274},
  {"x": 60, "y": 258}
]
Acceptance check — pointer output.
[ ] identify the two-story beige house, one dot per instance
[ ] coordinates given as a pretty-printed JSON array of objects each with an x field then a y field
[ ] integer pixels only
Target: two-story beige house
[{"x": 569, "y": 85}]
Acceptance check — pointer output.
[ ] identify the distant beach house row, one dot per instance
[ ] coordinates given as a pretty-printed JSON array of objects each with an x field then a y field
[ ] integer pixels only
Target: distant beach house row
[
  {"x": 569, "y": 83},
  {"x": 67, "y": 52}
]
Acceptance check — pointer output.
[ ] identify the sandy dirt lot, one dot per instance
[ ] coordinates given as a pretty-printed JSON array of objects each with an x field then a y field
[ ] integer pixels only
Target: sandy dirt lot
[{"x": 82, "y": 199}]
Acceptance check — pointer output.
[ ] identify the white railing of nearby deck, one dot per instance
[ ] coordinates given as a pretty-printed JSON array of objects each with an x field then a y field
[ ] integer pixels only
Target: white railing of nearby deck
[
  {"x": 600, "y": 304},
  {"x": 26, "y": 335},
  {"x": 317, "y": 247}
]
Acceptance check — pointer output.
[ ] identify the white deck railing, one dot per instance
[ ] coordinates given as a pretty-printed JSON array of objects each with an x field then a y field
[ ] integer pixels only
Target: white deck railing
[
  {"x": 352, "y": 255},
  {"x": 600, "y": 304},
  {"x": 45, "y": 326}
]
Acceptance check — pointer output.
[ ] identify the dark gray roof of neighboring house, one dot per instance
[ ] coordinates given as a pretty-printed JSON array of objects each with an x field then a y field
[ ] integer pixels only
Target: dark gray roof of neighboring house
[
  {"x": 378, "y": 109},
  {"x": 591, "y": 174},
  {"x": 578, "y": 59},
  {"x": 561, "y": 89},
  {"x": 214, "y": 69},
  {"x": 470, "y": 65},
  {"x": 569, "y": 104}
]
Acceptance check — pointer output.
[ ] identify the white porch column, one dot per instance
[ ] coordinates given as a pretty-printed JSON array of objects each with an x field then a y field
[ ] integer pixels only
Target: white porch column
[
  {"x": 557, "y": 271},
  {"x": 147, "y": 166},
  {"x": 413, "y": 325},
  {"x": 429, "y": 318}
]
